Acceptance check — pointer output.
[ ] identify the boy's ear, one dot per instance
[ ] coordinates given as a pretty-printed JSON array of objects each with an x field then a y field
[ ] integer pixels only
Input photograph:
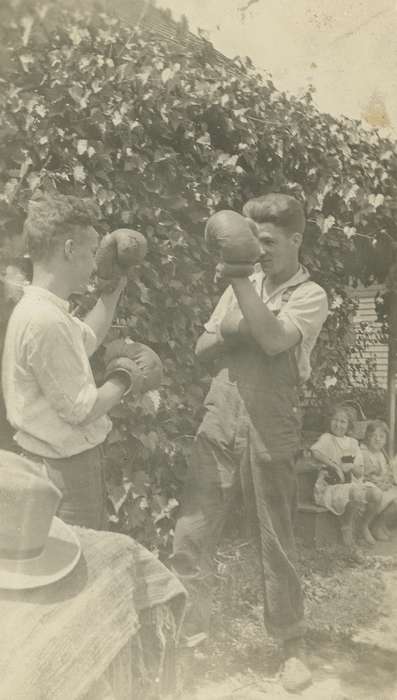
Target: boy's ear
[
  {"x": 68, "y": 247},
  {"x": 297, "y": 239}
]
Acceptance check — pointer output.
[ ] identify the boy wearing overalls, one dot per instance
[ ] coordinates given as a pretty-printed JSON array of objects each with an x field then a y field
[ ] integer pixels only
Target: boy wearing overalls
[{"x": 260, "y": 336}]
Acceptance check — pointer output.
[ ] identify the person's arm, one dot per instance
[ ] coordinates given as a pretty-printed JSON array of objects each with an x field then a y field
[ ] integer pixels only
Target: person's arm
[
  {"x": 322, "y": 450},
  {"x": 271, "y": 334},
  {"x": 328, "y": 462},
  {"x": 299, "y": 319},
  {"x": 108, "y": 396},
  {"x": 358, "y": 464},
  {"x": 369, "y": 473},
  {"x": 211, "y": 344},
  {"x": 64, "y": 377},
  {"x": 393, "y": 468},
  {"x": 324, "y": 459},
  {"x": 100, "y": 318}
]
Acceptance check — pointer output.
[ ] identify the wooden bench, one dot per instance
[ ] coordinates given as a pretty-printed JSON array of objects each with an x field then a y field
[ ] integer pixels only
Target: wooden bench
[{"x": 315, "y": 525}]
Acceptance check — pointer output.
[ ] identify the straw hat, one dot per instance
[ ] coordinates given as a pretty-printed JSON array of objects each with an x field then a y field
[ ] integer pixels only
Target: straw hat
[{"x": 36, "y": 548}]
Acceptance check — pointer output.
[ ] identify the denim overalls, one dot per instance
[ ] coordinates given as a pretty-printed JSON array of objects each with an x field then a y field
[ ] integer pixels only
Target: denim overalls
[{"x": 249, "y": 436}]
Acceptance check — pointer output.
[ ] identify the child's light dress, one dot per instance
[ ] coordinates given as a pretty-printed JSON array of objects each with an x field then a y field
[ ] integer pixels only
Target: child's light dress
[{"x": 377, "y": 470}]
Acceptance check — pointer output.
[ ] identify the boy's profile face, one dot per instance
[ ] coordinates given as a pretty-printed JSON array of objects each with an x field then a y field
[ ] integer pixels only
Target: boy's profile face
[
  {"x": 81, "y": 257},
  {"x": 14, "y": 282},
  {"x": 278, "y": 248}
]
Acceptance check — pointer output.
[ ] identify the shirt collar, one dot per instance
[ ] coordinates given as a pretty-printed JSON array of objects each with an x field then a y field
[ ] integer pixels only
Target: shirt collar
[
  {"x": 39, "y": 293},
  {"x": 300, "y": 276}
]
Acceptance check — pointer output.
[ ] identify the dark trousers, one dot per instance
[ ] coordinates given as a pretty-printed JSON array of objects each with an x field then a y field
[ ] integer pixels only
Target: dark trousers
[
  {"x": 270, "y": 496},
  {"x": 81, "y": 480}
]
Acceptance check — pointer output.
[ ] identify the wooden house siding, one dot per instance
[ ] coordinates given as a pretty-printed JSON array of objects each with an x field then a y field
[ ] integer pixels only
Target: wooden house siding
[{"x": 366, "y": 313}]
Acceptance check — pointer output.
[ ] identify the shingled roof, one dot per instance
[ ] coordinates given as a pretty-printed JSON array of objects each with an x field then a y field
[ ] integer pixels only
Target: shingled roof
[{"x": 145, "y": 14}]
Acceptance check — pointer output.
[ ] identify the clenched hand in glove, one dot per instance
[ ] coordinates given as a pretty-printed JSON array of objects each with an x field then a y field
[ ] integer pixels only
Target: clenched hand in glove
[
  {"x": 224, "y": 272},
  {"x": 233, "y": 237},
  {"x": 117, "y": 253},
  {"x": 139, "y": 362}
]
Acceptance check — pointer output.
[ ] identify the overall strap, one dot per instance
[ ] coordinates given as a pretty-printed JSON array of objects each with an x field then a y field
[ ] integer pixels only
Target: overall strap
[
  {"x": 285, "y": 297},
  {"x": 286, "y": 293}
]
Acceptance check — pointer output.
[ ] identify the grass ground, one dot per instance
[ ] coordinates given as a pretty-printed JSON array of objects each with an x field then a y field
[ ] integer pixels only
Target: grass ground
[{"x": 340, "y": 596}]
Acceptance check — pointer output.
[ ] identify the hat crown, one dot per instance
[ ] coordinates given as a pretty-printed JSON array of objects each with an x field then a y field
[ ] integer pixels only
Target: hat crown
[{"x": 28, "y": 503}]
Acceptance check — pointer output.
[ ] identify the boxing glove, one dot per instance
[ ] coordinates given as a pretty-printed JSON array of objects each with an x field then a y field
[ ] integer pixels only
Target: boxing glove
[
  {"x": 119, "y": 251},
  {"x": 225, "y": 271},
  {"x": 148, "y": 363},
  {"x": 233, "y": 237}
]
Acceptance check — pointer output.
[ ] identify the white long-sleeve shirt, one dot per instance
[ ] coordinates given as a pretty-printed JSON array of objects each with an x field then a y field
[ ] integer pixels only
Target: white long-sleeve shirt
[{"x": 48, "y": 385}]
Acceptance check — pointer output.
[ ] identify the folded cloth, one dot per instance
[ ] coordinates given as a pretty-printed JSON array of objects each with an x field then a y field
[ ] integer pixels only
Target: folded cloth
[{"x": 58, "y": 642}]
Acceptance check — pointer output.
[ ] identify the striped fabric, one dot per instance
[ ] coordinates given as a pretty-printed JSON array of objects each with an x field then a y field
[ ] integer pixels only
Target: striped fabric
[{"x": 78, "y": 638}]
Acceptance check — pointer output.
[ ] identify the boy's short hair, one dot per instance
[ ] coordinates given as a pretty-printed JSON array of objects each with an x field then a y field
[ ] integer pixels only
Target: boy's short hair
[
  {"x": 278, "y": 209},
  {"x": 53, "y": 218}
]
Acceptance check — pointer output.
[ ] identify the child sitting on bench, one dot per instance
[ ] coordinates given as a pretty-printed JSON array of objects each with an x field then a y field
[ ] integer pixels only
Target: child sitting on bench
[
  {"x": 378, "y": 470},
  {"x": 340, "y": 487}
]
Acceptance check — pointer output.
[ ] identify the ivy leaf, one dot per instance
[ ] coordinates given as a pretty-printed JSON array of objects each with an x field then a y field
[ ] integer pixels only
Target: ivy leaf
[
  {"x": 117, "y": 118},
  {"x": 145, "y": 75},
  {"x": 79, "y": 174},
  {"x": 177, "y": 202},
  {"x": 77, "y": 94},
  {"x": 82, "y": 145},
  {"x": 204, "y": 140},
  {"x": 166, "y": 74},
  {"x": 27, "y": 60},
  {"x": 25, "y": 167},
  {"x": 27, "y": 24}
]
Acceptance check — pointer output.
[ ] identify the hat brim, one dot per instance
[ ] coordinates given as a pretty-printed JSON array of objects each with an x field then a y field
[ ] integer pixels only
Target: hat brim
[{"x": 60, "y": 555}]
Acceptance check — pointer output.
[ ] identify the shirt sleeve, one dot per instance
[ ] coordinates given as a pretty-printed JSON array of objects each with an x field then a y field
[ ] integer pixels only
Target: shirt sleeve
[
  {"x": 325, "y": 446},
  {"x": 306, "y": 309},
  {"x": 89, "y": 338},
  {"x": 62, "y": 372},
  {"x": 226, "y": 302}
]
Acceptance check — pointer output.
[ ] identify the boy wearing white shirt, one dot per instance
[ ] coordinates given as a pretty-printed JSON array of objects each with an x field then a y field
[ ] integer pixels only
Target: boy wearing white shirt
[{"x": 52, "y": 401}]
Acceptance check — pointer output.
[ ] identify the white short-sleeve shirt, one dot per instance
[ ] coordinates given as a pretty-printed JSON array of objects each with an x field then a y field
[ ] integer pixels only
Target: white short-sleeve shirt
[{"x": 306, "y": 307}]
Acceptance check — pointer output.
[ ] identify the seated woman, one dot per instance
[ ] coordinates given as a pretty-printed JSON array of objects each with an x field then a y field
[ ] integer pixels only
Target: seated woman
[
  {"x": 378, "y": 470},
  {"x": 340, "y": 487}
]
